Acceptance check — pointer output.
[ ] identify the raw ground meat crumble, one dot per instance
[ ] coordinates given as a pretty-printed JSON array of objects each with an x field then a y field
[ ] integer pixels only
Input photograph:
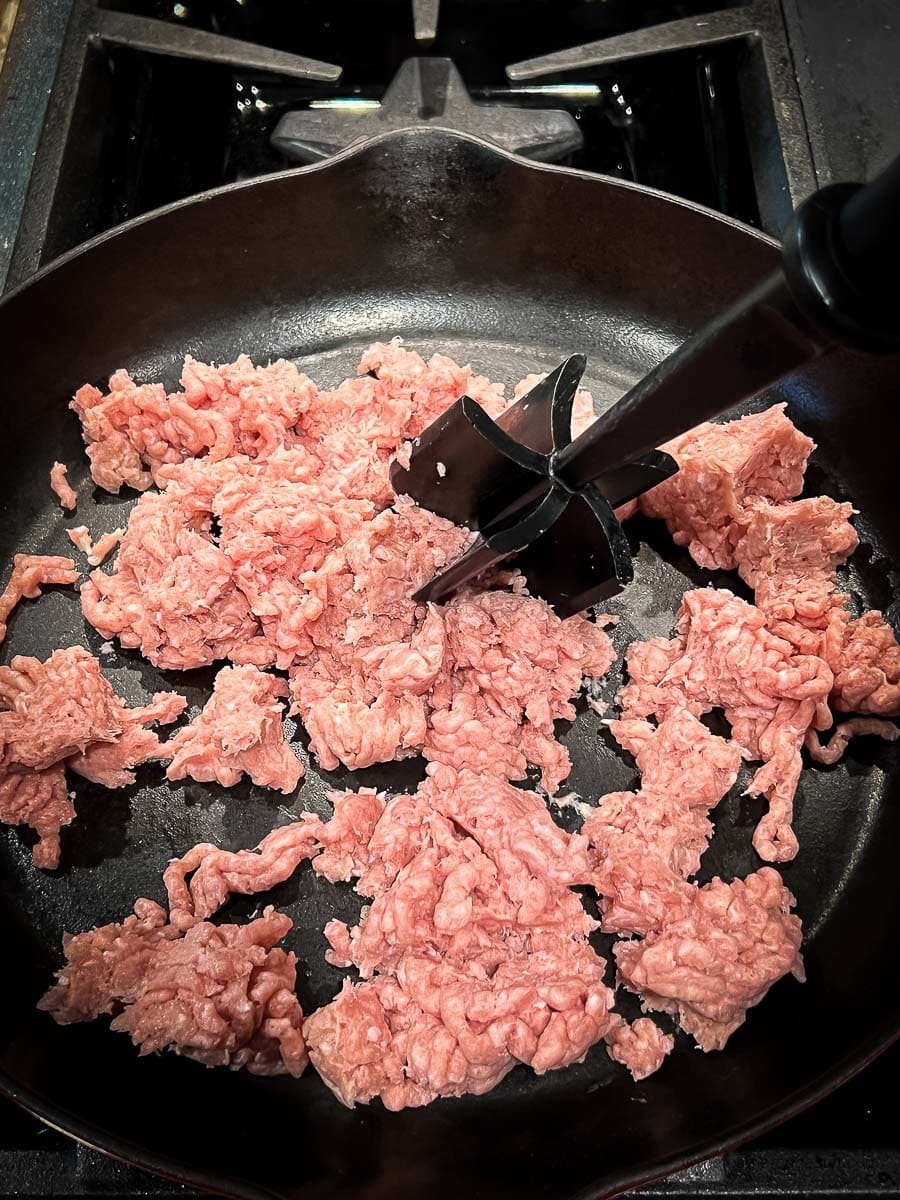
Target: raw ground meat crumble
[
  {"x": 647, "y": 844},
  {"x": 31, "y": 573},
  {"x": 729, "y": 505},
  {"x": 274, "y": 540},
  {"x": 65, "y": 493},
  {"x": 221, "y": 994},
  {"x": 238, "y": 732},
  {"x": 724, "y": 656},
  {"x": 95, "y": 552},
  {"x": 64, "y": 713}
]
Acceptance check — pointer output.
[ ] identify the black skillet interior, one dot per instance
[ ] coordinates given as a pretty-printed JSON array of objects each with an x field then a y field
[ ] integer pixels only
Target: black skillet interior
[{"x": 463, "y": 249}]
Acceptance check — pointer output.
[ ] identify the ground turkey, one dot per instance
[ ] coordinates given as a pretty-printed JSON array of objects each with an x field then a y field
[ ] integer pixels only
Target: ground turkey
[
  {"x": 473, "y": 952},
  {"x": 722, "y": 469},
  {"x": 64, "y": 713},
  {"x": 276, "y": 541},
  {"x": 641, "y": 1046},
  {"x": 731, "y": 504},
  {"x": 239, "y": 732},
  {"x": 724, "y": 656},
  {"x": 220, "y": 994},
  {"x": 648, "y": 843},
  {"x": 709, "y": 963},
  {"x": 31, "y": 573}
]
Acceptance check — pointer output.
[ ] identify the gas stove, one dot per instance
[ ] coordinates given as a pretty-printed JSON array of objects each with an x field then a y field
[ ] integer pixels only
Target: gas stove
[{"x": 109, "y": 110}]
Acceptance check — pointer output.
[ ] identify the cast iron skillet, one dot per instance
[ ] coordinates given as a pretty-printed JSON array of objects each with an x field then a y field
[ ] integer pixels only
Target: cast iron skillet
[{"x": 459, "y": 247}]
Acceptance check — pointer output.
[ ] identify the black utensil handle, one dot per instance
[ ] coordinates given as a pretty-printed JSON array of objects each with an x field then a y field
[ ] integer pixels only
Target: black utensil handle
[
  {"x": 870, "y": 230},
  {"x": 757, "y": 341},
  {"x": 837, "y": 285},
  {"x": 842, "y": 262}
]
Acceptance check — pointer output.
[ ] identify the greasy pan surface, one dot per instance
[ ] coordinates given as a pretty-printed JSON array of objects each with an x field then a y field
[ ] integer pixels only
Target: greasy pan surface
[{"x": 460, "y": 248}]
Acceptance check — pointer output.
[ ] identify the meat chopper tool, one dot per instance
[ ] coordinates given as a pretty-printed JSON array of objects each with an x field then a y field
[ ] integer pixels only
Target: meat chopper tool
[{"x": 536, "y": 496}]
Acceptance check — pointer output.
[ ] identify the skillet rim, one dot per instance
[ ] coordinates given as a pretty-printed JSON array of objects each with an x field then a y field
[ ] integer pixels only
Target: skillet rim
[
  {"x": 364, "y": 146},
  {"x": 133, "y": 1154}
]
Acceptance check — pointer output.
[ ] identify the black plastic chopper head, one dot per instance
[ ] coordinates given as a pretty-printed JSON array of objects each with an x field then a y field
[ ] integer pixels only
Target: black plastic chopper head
[{"x": 499, "y": 478}]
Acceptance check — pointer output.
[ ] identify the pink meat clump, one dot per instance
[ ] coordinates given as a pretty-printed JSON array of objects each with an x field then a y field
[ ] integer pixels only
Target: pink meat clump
[
  {"x": 345, "y": 839},
  {"x": 730, "y": 505},
  {"x": 239, "y": 732},
  {"x": 135, "y": 429},
  {"x": 709, "y": 964},
  {"x": 278, "y": 521},
  {"x": 220, "y": 994},
  {"x": 60, "y": 713},
  {"x": 789, "y": 554},
  {"x": 442, "y": 1028},
  {"x": 361, "y": 691},
  {"x": 723, "y": 469},
  {"x": 473, "y": 952},
  {"x": 31, "y": 573},
  {"x": 865, "y": 657},
  {"x": 648, "y": 843},
  {"x": 832, "y": 750},
  {"x": 511, "y": 667},
  {"x": 56, "y": 708},
  {"x": 422, "y": 390},
  {"x": 186, "y": 593},
  {"x": 65, "y": 493},
  {"x": 277, "y": 555},
  {"x": 358, "y": 428},
  {"x": 39, "y": 799},
  {"x": 112, "y": 764},
  {"x": 97, "y": 551},
  {"x": 80, "y": 537},
  {"x": 641, "y": 1047},
  {"x": 199, "y": 883},
  {"x": 495, "y": 834},
  {"x": 477, "y": 683},
  {"x": 724, "y": 656},
  {"x": 173, "y": 594},
  {"x": 708, "y": 953}
]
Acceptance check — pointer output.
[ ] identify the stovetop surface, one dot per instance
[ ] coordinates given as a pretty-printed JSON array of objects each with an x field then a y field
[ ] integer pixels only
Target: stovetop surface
[{"x": 94, "y": 131}]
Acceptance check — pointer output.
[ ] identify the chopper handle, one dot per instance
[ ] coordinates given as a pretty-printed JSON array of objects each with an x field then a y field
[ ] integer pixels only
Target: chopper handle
[
  {"x": 842, "y": 262},
  {"x": 837, "y": 285}
]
